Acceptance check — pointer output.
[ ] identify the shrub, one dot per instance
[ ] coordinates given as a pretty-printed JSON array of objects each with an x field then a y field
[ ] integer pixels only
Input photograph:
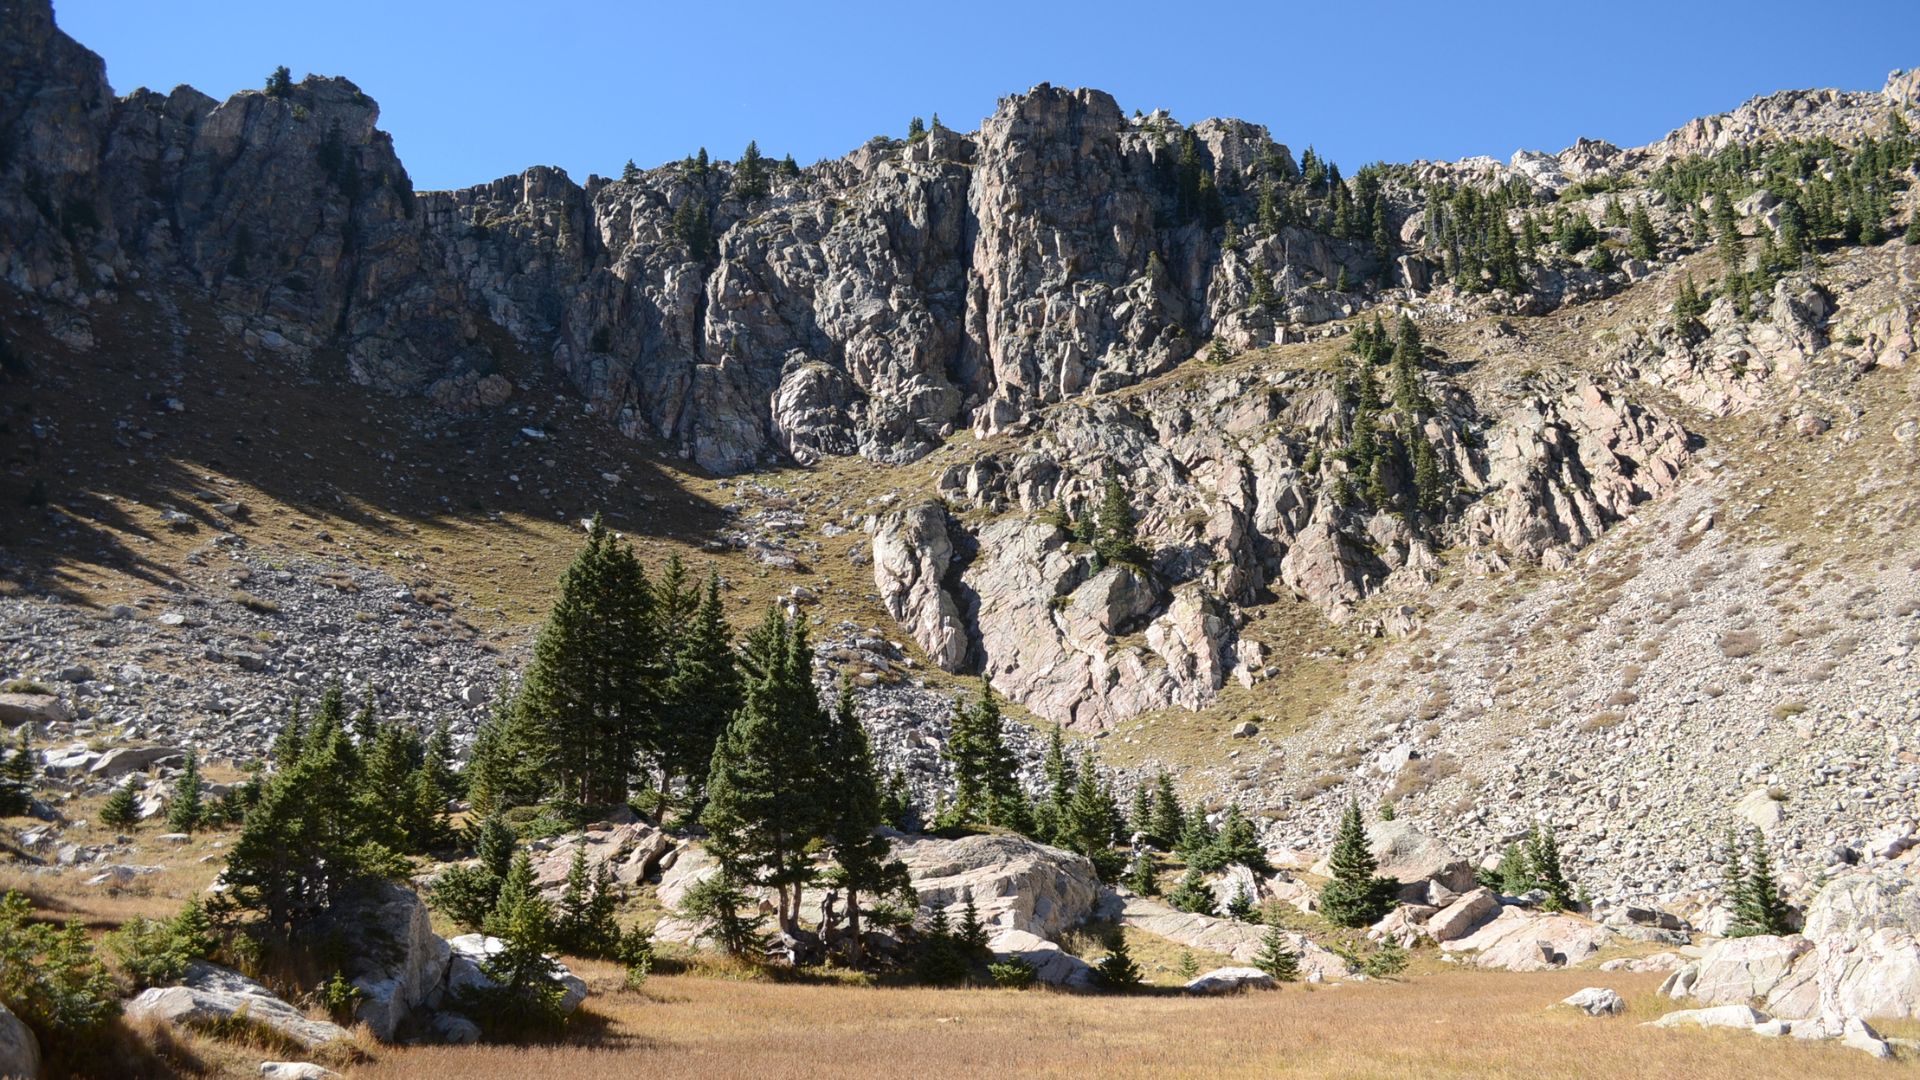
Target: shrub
[
  {"x": 50, "y": 978},
  {"x": 156, "y": 953},
  {"x": 340, "y": 997},
  {"x": 1013, "y": 974}
]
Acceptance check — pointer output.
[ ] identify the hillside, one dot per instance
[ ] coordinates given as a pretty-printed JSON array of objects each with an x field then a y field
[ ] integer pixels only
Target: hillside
[{"x": 1570, "y": 491}]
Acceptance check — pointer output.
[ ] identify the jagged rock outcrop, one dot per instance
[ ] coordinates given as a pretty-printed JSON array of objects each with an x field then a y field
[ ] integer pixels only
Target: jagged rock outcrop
[{"x": 913, "y": 557}]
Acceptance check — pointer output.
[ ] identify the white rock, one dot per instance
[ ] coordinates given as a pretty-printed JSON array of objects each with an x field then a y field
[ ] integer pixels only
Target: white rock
[
  {"x": 1596, "y": 1001},
  {"x": 1728, "y": 1016},
  {"x": 1227, "y": 980}
]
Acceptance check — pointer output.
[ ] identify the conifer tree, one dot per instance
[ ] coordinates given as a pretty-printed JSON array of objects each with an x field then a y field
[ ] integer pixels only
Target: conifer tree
[
  {"x": 1116, "y": 971},
  {"x": 588, "y": 693},
  {"x": 1543, "y": 852},
  {"x": 1239, "y": 906},
  {"x": 1051, "y": 815},
  {"x": 120, "y": 810},
  {"x": 1642, "y": 241},
  {"x": 1169, "y": 817},
  {"x": 1355, "y": 897},
  {"x": 1192, "y": 894},
  {"x": 972, "y": 932},
  {"x": 1239, "y": 842},
  {"x": 1092, "y": 819},
  {"x": 701, "y": 692},
  {"x": 16, "y": 775},
  {"x": 523, "y": 995},
  {"x": 854, "y": 814},
  {"x": 1116, "y": 539},
  {"x": 693, "y": 228},
  {"x": 1188, "y": 966},
  {"x": 438, "y": 761},
  {"x": 1276, "y": 956},
  {"x": 184, "y": 810},
  {"x": 629, "y": 172},
  {"x": 1143, "y": 879},
  {"x": 766, "y": 797},
  {"x": 982, "y": 767},
  {"x": 1140, "y": 813},
  {"x": 750, "y": 176},
  {"x": 468, "y": 892},
  {"x": 280, "y": 83},
  {"x": 1759, "y": 908},
  {"x": 507, "y": 766}
]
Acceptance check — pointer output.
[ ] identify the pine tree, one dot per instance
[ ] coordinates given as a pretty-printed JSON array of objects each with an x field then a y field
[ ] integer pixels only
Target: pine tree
[
  {"x": 1355, "y": 897},
  {"x": 507, "y": 766},
  {"x": 588, "y": 693},
  {"x": 1169, "y": 817},
  {"x": 1239, "y": 842},
  {"x": 16, "y": 775},
  {"x": 1642, "y": 241},
  {"x": 1758, "y": 908},
  {"x": 1052, "y": 813},
  {"x": 982, "y": 766},
  {"x": 184, "y": 809},
  {"x": 629, "y": 172},
  {"x": 1543, "y": 852},
  {"x": 701, "y": 692},
  {"x": 120, "y": 811},
  {"x": 972, "y": 932},
  {"x": 1188, "y": 966},
  {"x": 523, "y": 996},
  {"x": 1140, "y": 813},
  {"x": 438, "y": 762},
  {"x": 1116, "y": 971},
  {"x": 280, "y": 83},
  {"x": 1116, "y": 539},
  {"x": 1276, "y": 956},
  {"x": 750, "y": 176},
  {"x": 306, "y": 845},
  {"x": 1239, "y": 906},
  {"x": 1092, "y": 819},
  {"x": 854, "y": 813},
  {"x": 1143, "y": 878},
  {"x": 942, "y": 962},
  {"x": 693, "y": 228},
  {"x": 766, "y": 797},
  {"x": 1192, "y": 894}
]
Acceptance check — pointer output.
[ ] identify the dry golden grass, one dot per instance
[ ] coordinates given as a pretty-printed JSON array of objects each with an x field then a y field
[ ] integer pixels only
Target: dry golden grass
[{"x": 1453, "y": 1024}]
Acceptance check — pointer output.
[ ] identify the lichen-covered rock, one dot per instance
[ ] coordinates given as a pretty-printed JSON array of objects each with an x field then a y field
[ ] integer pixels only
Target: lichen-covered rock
[{"x": 210, "y": 994}]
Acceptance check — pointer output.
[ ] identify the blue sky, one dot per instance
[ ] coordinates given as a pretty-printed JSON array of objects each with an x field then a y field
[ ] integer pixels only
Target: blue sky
[{"x": 476, "y": 90}]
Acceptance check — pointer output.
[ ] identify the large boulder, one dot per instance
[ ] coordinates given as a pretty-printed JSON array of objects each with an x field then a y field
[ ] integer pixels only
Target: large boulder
[
  {"x": 912, "y": 555},
  {"x": 1760, "y": 968},
  {"x": 631, "y": 851},
  {"x": 211, "y": 994},
  {"x": 1463, "y": 916},
  {"x": 1724, "y": 1016},
  {"x": 19, "y": 1050},
  {"x": 1051, "y": 964},
  {"x": 1519, "y": 940},
  {"x": 1412, "y": 858},
  {"x": 37, "y": 709},
  {"x": 1596, "y": 1001},
  {"x": 399, "y": 962},
  {"x": 128, "y": 759},
  {"x": 1229, "y": 980},
  {"x": 1014, "y": 882}
]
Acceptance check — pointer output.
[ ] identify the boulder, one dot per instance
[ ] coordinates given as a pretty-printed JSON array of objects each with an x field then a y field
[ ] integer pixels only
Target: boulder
[
  {"x": 19, "y": 1050},
  {"x": 1761, "y": 809},
  {"x": 1760, "y": 968},
  {"x": 211, "y": 994},
  {"x": 1015, "y": 883},
  {"x": 1051, "y": 964},
  {"x": 1724, "y": 1016},
  {"x": 1596, "y": 1001},
  {"x": 631, "y": 851},
  {"x": 126, "y": 759},
  {"x": 296, "y": 1070},
  {"x": 912, "y": 554},
  {"x": 37, "y": 709},
  {"x": 1228, "y": 980},
  {"x": 1519, "y": 940},
  {"x": 399, "y": 962},
  {"x": 1463, "y": 916},
  {"x": 1859, "y": 1035},
  {"x": 465, "y": 970}
]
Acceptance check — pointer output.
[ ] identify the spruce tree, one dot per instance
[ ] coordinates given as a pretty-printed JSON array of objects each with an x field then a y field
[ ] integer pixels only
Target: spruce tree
[
  {"x": 982, "y": 766},
  {"x": 1543, "y": 852},
  {"x": 1759, "y": 908},
  {"x": 522, "y": 996},
  {"x": 1116, "y": 971},
  {"x": 1116, "y": 539},
  {"x": 280, "y": 83},
  {"x": 1355, "y": 897},
  {"x": 1642, "y": 241},
  {"x": 1143, "y": 879},
  {"x": 507, "y": 766},
  {"x": 120, "y": 811},
  {"x": 16, "y": 775},
  {"x": 629, "y": 172},
  {"x": 1276, "y": 956},
  {"x": 1059, "y": 772},
  {"x": 438, "y": 762},
  {"x": 1140, "y": 812},
  {"x": 1239, "y": 841},
  {"x": 1239, "y": 906},
  {"x": 766, "y": 797},
  {"x": 854, "y": 811},
  {"x": 1169, "y": 817},
  {"x": 184, "y": 809},
  {"x": 589, "y": 693},
  {"x": 1191, "y": 894},
  {"x": 1092, "y": 819},
  {"x": 701, "y": 691},
  {"x": 750, "y": 176}
]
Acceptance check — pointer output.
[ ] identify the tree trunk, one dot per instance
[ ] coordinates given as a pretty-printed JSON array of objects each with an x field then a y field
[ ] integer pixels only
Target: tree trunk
[{"x": 857, "y": 948}]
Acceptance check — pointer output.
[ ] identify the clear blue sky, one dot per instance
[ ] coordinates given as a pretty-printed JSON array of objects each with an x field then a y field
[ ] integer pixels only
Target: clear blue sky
[{"x": 480, "y": 89}]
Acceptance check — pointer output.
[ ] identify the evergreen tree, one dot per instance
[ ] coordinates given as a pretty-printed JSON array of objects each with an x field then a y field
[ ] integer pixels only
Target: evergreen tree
[
  {"x": 1188, "y": 966},
  {"x": 508, "y": 763},
  {"x": 120, "y": 810},
  {"x": 1726, "y": 228},
  {"x": 942, "y": 960},
  {"x": 1192, "y": 894},
  {"x": 1092, "y": 819},
  {"x": 1687, "y": 305},
  {"x": 1140, "y": 813},
  {"x": 972, "y": 932},
  {"x": 766, "y": 797},
  {"x": 693, "y": 228},
  {"x": 701, "y": 692},
  {"x": 1239, "y": 842},
  {"x": 584, "y": 922},
  {"x": 630, "y": 172},
  {"x": 184, "y": 810},
  {"x": 788, "y": 167},
  {"x": 280, "y": 83},
  {"x": 1642, "y": 241},
  {"x": 1116, "y": 540},
  {"x": 1143, "y": 878},
  {"x": 1355, "y": 897},
  {"x": 1052, "y": 813},
  {"x": 982, "y": 767},
  {"x": 1116, "y": 971},
  {"x": 523, "y": 995},
  {"x": 1276, "y": 956},
  {"x": 1169, "y": 817},
  {"x": 1543, "y": 853},
  {"x": 750, "y": 176},
  {"x": 16, "y": 775},
  {"x": 469, "y": 892},
  {"x": 588, "y": 694},
  {"x": 1239, "y": 906},
  {"x": 1758, "y": 907},
  {"x": 438, "y": 762},
  {"x": 854, "y": 814},
  {"x": 307, "y": 845}
]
